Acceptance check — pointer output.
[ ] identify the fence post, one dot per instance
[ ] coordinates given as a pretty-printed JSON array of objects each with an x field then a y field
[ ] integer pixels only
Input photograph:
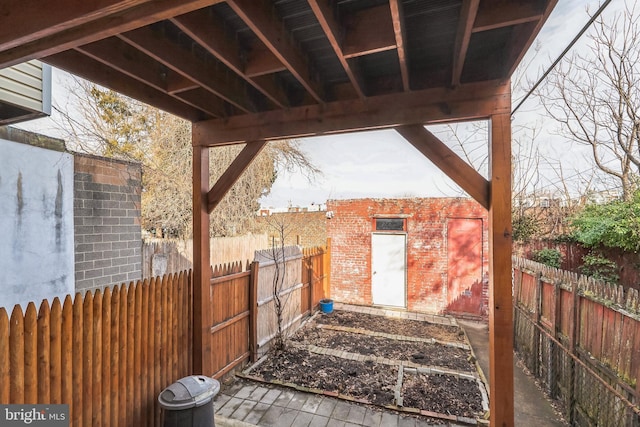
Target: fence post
[
  {"x": 573, "y": 338},
  {"x": 553, "y": 353},
  {"x": 253, "y": 311},
  {"x": 326, "y": 271},
  {"x": 536, "y": 329},
  {"x": 310, "y": 261}
]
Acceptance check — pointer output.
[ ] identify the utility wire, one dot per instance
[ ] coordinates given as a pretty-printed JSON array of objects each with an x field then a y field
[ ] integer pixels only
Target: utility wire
[{"x": 564, "y": 52}]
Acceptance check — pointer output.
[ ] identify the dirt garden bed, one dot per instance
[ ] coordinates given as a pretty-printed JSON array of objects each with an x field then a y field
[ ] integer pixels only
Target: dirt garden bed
[{"x": 404, "y": 364}]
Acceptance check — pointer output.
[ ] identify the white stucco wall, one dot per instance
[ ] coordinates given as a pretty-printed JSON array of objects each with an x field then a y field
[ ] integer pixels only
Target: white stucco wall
[{"x": 36, "y": 224}]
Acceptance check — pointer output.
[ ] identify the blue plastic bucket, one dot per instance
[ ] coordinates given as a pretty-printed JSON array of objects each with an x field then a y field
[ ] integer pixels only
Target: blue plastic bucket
[{"x": 326, "y": 305}]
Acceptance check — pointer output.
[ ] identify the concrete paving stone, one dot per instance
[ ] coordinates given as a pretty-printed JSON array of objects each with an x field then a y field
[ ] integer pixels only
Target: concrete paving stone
[
  {"x": 284, "y": 398},
  {"x": 312, "y": 403},
  {"x": 406, "y": 421},
  {"x": 257, "y": 394},
  {"x": 257, "y": 413},
  {"x": 271, "y": 396},
  {"x": 297, "y": 401},
  {"x": 220, "y": 400},
  {"x": 245, "y": 391},
  {"x": 335, "y": 423},
  {"x": 319, "y": 421},
  {"x": 303, "y": 419},
  {"x": 326, "y": 406},
  {"x": 389, "y": 420},
  {"x": 233, "y": 388},
  {"x": 352, "y": 425},
  {"x": 272, "y": 417},
  {"x": 425, "y": 423},
  {"x": 356, "y": 414},
  {"x": 243, "y": 410},
  {"x": 230, "y": 407},
  {"x": 341, "y": 411},
  {"x": 372, "y": 418}
]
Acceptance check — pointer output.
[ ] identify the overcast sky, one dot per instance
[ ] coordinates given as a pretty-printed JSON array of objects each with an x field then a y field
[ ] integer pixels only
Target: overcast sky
[{"x": 382, "y": 163}]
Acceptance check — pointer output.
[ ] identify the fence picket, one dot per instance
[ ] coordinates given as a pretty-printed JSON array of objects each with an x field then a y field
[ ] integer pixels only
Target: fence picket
[
  {"x": 115, "y": 357},
  {"x": 66, "y": 354},
  {"x": 97, "y": 409},
  {"x": 122, "y": 351},
  {"x": 130, "y": 353},
  {"x": 16, "y": 344},
  {"x": 55, "y": 352},
  {"x": 5, "y": 374},
  {"x": 106, "y": 358},
  {"x": 44, "y": 353},
  {"x": 87, "y": 359},
  {"x": 78, "y": 354},
  {"x": 137, "y": 333},
  {"x": 31, "y": 354}
]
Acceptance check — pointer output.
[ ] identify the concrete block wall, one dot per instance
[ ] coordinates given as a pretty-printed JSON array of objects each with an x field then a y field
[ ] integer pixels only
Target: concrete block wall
[
  {"x": 108, "y": 242},
  {"x": 350, "y": 230}
]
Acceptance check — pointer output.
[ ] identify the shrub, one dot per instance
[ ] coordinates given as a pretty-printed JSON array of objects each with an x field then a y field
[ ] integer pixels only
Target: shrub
[
  {"x": 600, "y": 268},
  {"x": 550, "y": 257}
]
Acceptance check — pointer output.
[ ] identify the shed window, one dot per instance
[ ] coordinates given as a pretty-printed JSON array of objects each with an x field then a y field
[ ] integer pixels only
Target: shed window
[{"x": 390, "y": 224}]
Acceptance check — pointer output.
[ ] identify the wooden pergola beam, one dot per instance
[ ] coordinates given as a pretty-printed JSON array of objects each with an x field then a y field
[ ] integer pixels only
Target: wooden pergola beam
[
  {"x": 233, "y": 173},
  {"x": 332, "y": 29},
  {"x": 500, "y": 295},
  {"x": 272, "y": 34},
  {"x": 80, "y": 28},
  {"x": 466, "y": 102},
  {"x": 467, "y": 18},
  {"x": 397, "y": 17},
  {"x": 448, "y": 161}
]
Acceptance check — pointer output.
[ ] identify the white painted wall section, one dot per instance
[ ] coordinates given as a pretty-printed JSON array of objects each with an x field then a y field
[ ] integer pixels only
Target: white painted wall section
[{"x": 36, "y": 224}]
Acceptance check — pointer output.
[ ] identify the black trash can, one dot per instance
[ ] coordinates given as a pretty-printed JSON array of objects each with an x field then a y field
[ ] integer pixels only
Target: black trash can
[{"x": 189, "y": 402}]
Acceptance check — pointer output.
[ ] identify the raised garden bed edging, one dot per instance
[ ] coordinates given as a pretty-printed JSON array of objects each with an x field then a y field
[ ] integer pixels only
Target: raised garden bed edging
[{"x": 332, "y": 371}]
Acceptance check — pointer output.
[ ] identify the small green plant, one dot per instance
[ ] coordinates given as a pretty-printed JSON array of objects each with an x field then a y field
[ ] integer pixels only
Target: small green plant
[
  {"x": 550, "y": 257},
  {"x": 600, "y": 268}
]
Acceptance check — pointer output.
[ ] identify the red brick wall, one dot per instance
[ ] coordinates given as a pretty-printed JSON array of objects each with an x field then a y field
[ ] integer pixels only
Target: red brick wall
[{"x": 350, "y": 231}]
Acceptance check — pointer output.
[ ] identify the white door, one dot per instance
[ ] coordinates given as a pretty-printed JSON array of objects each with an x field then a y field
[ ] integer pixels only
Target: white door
[{"x": 388, "y": 269}]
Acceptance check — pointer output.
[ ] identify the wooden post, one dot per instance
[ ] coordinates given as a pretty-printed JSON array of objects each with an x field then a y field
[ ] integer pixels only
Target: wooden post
[
  {"x": 326, "y": 271},
  {"x": 573, "y": 342},
  {"x": 500, "y": 298},
  {"x": 201, "y": 260},
  {"x": 537, "y": 315},
  {"x": 310, "y": 263},
  {"x": 253, "y": 311}
]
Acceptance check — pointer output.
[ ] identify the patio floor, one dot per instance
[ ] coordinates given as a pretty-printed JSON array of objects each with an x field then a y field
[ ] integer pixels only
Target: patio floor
[{"x": 246, "y": 403}]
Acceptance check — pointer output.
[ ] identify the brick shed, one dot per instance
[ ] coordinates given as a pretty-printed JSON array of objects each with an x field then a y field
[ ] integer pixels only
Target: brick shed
[{"x": 423, "y": 254}]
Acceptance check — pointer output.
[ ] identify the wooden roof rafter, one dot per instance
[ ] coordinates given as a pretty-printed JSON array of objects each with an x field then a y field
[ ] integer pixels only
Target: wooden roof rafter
[
  {"x": 208, "y": 31},
  {"x": 333, "y": 31},
  {"x": 397, "y": 17},
  {"x": 256, "y": 14}
]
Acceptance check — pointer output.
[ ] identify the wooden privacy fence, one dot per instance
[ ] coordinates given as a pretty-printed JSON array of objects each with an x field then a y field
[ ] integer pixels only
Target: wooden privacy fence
[
  {"x": 240, "y": 319},
  {"x": 581, "y": 338},
  {"x": 109, "y": 355},
  {"x": 106, "y": 355}
]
